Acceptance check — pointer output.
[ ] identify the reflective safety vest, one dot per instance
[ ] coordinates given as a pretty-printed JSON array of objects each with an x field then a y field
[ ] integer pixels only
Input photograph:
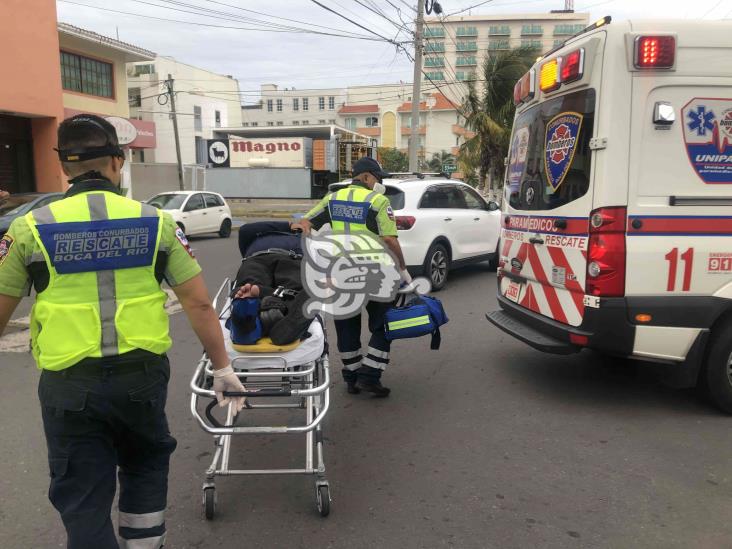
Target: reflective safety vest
[
  {"x": 102, "y": 297},
  {"x": 349, "y": 209}
]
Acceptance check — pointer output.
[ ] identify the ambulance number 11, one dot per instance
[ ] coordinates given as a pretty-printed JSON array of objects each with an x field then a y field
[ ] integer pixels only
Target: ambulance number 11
[{"x": 673, "y": 260}]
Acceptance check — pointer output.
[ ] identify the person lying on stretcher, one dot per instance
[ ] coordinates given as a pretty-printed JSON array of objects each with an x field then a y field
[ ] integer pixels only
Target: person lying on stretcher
[{"x": 268, "y": 296}]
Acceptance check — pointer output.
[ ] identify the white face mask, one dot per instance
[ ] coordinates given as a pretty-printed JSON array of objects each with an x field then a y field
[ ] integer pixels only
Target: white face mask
[{"x": 379, "y": 188}]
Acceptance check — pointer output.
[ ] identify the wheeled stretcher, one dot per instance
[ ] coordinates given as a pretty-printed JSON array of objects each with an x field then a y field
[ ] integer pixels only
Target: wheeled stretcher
[{"x": 285, "y": 379}]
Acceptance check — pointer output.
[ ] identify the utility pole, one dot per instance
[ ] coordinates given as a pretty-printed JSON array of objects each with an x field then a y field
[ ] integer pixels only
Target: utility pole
[
  {"x": 416, "y": 87},
  {"x": 171, "y": 94}
]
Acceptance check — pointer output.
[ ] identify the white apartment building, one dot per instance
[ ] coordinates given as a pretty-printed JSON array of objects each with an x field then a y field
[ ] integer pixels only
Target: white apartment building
[
  {"x": 204, "y": 101},
  {"x": 293, "y": 107},
  {"x": 456, "y": 47}
]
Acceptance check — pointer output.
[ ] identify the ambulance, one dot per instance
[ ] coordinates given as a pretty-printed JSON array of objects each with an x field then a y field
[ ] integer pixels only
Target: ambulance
[{"x": 617, "y": 226}]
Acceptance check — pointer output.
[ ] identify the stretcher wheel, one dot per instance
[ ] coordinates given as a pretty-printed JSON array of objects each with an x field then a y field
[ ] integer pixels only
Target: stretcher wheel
[
  {"x": 209, "y": 502},
  {"x": 322, "y": 496}
]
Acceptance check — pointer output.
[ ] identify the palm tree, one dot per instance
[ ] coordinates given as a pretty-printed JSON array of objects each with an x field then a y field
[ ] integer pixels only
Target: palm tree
[
  {"x": 439, "y": 159},
  {"x": 489, "y": 113}
]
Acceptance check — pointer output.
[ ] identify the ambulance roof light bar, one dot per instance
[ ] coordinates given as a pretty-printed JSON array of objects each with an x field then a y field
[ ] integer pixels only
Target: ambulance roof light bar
[{"x": 596, "y": 25}]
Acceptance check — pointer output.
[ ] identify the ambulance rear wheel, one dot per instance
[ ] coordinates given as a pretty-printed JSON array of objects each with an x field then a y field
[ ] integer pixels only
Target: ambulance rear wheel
[{"x": 717, "y": 375}]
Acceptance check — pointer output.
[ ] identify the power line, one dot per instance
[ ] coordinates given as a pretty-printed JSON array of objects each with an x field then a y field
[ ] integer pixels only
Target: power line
[
  {"x": 353, "y": 22},
  {"x": 469, "y": 8},
  {"x": 199, "y": 24}
]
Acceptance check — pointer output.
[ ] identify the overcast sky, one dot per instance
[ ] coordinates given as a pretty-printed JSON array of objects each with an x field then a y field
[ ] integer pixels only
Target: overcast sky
[{"x": 308, "y": 60}]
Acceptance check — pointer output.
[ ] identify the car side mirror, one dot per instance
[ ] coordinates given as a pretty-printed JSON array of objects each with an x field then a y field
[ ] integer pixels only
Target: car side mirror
[{"x": 492, "y": 206}]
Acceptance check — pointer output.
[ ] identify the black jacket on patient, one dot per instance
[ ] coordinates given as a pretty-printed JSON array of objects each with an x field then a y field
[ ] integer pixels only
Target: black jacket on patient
[{"x": 271, "y": 259}]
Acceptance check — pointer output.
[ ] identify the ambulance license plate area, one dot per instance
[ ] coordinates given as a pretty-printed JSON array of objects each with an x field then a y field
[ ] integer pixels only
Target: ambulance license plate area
[{"x": 513, "y": 292}]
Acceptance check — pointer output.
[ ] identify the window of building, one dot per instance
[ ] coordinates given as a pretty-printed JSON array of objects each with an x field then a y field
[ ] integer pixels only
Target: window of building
[
  {"x": 350, "y": 123},
  {"x": 201, "y": 151},
  {"x": 306, "y": 122},
  {"x": 434, "y": 62},
  {"x": 321, "y": 121},
  {"x": 255, "y": 123},
  {"x": 331, "y": 103},
  {"x": 270, "y": 104},
  {"x": 467, "y": 61},
  {"x": 331, "y": 121},
  {"x": 280, "y": 123},
  {"x": 531, "y": 30},
  {"x": 245, "y": 123},
  {"x": 372, "y": 121},
  {"x": 534, "y": 44},
  {"x": 499, "y": 30},
  {"x": 321, "y": 103},
  {"x": 435, "y": 47},
  {"x": 217, "y": 118},
  {"x": 435, "y": 75},
  {"x": 296, "y": 104},
  {"x": 133, "y": 94},
  {"x": 147, "y": 68},
  {"x": 84, "y": 75},
  {"x": 296, "y": 123},
  {"x": 305, "y": 103},
  {"x": 466, "y": 31},
  {"x": 197, "y": 122},
  {"x": 279, "y": 105},
  {"x": 270, "y": 123},
  {"x": 466, "y": 46},
  {"x": 434, "y": 32}
]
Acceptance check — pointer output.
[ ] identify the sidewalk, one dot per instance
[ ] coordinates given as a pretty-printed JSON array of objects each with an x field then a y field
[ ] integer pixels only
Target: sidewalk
[{"x": 269, "y": 209}]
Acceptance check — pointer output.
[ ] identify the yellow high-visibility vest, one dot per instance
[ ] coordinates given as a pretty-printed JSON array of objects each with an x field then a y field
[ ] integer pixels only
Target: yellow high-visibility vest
[
  {"x": 102, "y": 297},
  {"x": 349, "y": 208}
]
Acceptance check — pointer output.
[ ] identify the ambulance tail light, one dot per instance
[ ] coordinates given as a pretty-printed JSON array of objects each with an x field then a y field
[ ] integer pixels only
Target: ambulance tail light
[
  {"x": 404, "y": 222},
  {"x": 524, "y": 89},
  {"x": 655, "y": 52},
  {"x": 606, "y": 253},
  {"x": 573, "y": 66}
]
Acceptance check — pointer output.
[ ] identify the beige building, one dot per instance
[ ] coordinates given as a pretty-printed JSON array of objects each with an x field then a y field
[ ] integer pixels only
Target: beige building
[{"x": 455, "y": 47}]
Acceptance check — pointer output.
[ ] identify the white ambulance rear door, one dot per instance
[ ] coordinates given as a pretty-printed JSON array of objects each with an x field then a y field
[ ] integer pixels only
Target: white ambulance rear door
[{"x": 679, "y": 235}]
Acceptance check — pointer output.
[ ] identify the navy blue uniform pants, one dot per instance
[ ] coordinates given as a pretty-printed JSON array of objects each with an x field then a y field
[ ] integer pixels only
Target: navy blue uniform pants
[
  {"x": 356, "y": 363},
  {"x": 103, "y": 418}
]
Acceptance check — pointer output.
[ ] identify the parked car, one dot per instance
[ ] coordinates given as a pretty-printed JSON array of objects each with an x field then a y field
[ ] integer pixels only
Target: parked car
[
  {"x": 196, "y": 212},
  {"x": 18, "y": 205},
  {"x": 442, "y": 224}
]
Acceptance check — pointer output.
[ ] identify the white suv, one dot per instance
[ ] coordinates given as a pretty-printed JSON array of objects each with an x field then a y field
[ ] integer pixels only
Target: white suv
[
  {"x": 442, "y": 223},
  {"x": 196, "y": 212}
]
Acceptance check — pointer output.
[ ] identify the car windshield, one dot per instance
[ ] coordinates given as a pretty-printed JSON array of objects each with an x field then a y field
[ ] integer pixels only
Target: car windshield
[
  {"x": 549, "y": 160},
  {"x": 16, "y": 205},
  {"x": 167, "y": 201}
]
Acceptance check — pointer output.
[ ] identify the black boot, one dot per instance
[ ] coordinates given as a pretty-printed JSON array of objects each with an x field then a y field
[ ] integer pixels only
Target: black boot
[
  {"x": 369, "y": 380},
  {"x": 349, "y": 376}
]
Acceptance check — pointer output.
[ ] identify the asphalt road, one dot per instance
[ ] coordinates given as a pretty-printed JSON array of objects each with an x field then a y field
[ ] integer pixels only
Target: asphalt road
[{"x": 486, "y": 443}]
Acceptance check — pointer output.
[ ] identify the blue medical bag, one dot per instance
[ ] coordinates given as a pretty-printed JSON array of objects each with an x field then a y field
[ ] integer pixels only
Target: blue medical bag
[{"x": 419, "y": 316}]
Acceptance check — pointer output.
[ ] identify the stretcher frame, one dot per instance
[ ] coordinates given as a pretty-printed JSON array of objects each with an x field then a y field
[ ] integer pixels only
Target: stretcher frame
[{"x": 305, "y": 386}]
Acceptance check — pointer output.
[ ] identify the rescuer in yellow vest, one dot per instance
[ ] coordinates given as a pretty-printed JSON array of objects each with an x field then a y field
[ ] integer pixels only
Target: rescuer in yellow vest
[
  {"x": 99, "y": 334},
  {"x": 362, "y": 207}
]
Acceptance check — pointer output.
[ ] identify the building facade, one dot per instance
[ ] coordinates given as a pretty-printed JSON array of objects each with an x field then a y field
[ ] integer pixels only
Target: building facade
[
  {"x": 31, "y": 105},
  {"x": 381, "y": 112},
  {"x": 293, "y": 107},
  {"x": 204, "y": 101},
  {"x": 456, "y": 46}
]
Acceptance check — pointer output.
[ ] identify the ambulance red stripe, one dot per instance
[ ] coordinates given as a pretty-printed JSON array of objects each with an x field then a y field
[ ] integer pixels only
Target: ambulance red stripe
[
  {"x": 549, "y": 291},
  {"x": 576, "y": 226},
  {"x": 575, "y": 290},
  {"x": 678, "y": 225}
]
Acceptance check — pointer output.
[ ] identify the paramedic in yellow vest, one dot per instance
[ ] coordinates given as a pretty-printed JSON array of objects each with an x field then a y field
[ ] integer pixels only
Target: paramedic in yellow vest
[
  {"x": 99, "y": 334},
  {"x": 362, "y": 371}
]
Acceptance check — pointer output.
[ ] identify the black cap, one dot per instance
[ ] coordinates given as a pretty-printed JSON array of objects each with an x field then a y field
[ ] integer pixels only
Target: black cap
[
  {"x": 81, "y": 128},
  {"x": 369, "y": 165}
]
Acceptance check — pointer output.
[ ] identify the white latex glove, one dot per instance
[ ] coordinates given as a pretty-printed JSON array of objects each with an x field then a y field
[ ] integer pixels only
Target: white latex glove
[
  {"x": 226, "y": 380},
  {"x": 406, "y": 277}
]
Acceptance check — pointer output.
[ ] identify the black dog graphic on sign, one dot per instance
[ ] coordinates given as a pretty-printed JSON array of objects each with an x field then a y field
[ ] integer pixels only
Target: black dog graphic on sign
[{"x": 219, "y": 153}]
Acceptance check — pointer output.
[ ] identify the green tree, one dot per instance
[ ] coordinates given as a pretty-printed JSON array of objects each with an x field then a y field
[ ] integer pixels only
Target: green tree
[
  {"x": 439, "y": 159},
  {"x": 393, "y": 160},
  {"x": 489, "y": 113}
]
